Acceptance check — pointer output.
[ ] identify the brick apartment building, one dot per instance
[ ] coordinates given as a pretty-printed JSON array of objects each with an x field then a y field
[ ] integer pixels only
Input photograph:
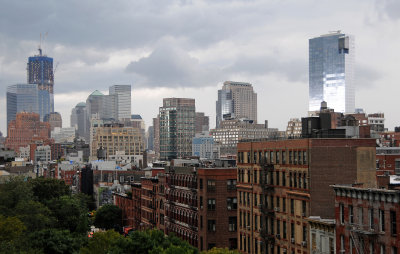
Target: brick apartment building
[
  {"x": 281, "y": 183},
  {"x": 366, "y": 220},
  {"x": 217, "y": 208},
  {"x": 181, "y": 206},
  {"x": 199, "y": 206},
  {"x": 27, "y": 129},
  {"x": 387, "y": 160}
]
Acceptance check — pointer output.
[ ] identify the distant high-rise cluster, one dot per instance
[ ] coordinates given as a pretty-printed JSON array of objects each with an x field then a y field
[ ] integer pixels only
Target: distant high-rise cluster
[
  {"x": 236, "y": 100},
  {"x": 331, "y": 72}
]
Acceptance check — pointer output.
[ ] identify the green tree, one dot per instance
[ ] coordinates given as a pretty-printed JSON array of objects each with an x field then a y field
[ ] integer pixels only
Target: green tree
[
  {"x": 103, "y": 242},
  {"x": 45, "y": 189},
  {"x": 220, "y": 251},
  {"x": 56, "y": 241},
  {"x": 11, "y": 230},
  {"x": 108, "y": 217}
]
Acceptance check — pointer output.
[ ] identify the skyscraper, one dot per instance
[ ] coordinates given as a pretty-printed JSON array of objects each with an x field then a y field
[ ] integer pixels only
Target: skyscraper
[
  {"x": 79, "y": 119},
  {"x": 123, "y": 101},
  {"x": 177, "y": 116},
  {"x": 236, "y": 100},
  {"x": 21, "y": 97},
  {"x": 40, "y": 72},
  {"x": 331, "y": 72}
]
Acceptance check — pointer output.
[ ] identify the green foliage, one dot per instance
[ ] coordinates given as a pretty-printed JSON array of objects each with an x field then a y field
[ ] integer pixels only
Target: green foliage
[
  {"x": 45, "y": 189},
  {"x": 41, "y": 216},
  {"x": 102, "y": 242},
  {"x": 56, "y": 241},
  {"x": 108, "y": 217},
  {"x": 220, "y": 251},
  {"x": 138, "y": 242}
]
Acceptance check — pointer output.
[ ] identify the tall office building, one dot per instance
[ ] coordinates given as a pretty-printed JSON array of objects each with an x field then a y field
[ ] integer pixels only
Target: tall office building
[
  {"x": 79, "y": 119},
  {"x": 40, "y": 72},
  {"x": 236, "y": 100},
  {"x": 331, "y": 72},
  {"x": 177, "y": 128},
  {"x": 202, "y": 122},
  {"x": 20, "y": 98},
  {"x": 54, "y": 119},
  {"x": 123, "y": 101}
]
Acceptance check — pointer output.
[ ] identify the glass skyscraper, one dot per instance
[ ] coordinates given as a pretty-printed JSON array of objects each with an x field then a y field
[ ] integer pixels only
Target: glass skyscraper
[
  {"x": 331, "y": 72},
  {"x": 40, "y": 72},
  {"x": 21, "y": 97},
  {"x": 238, "y": 100}
]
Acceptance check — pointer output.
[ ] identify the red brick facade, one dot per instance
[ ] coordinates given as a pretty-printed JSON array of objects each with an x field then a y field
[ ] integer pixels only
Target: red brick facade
[
  {"x": 281, "y": 183},
  {"x": 367, "y": 220},
  {"x": 25, "y": 130}
]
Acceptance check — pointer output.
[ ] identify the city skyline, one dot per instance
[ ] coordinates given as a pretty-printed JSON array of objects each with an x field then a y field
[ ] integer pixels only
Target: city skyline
[{"x": 183, "y": 61}]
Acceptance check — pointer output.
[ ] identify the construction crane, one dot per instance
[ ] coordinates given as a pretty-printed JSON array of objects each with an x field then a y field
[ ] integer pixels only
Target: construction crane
[{"x": 42, "y": 41}]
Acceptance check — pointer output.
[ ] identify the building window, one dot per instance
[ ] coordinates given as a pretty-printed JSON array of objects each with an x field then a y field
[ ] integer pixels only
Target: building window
[
  {"x": 371, "y": 218},
  {"x": 201, "y": 221},
  {"x": 210, "y": 185},
  {"x": 295, "y": 157},
  {"x": 211, "y": 204},
  {"x": 382, "y": 220},
  {"x": 383, "y": 250},
  {"x": 284, "y": 205},
  {"x": 211, "y": 245},
  {"x": 283, "y": 179},
  {"x": 271, "y": 156},
  {"x": 292, "y": 231},
  {"x": 397, "y": 166},
  {"x": 201, "y": 202},
  {"x": 290, "y": 157},
  {"x": 394, "y": 250},
  {"x": 284, "y": 229},
  {"x": 231, "y": 184},
  {"x": 342, "y": 249},
  {"x": 201, "y": 184},
  {"x": 231, "y": 203},
  {"x": 277, "y": 157},
  {"x": 248, "y": 176},
  {"x": 232, "y": 224},
  {"x": 304, "y": 157},
  {"x": 360, "y": 216},
  {"x": 393, "y": 228},
  {"x": 305, "y": 234},
  {"x": 211, "y": 226},
  {"x": 304, "y": 208},
  {"x": 341, "y": 213},
  {"x": 248, "y": 199},
  {"x": 290, "y": 180},
  {"x": 351, "y": 214},
  {"x": 291, "y": 206},
  {"x": 283, "y": 157},
  {"x": 277, "y": 178},
  {"x": 255, "y": 199}
]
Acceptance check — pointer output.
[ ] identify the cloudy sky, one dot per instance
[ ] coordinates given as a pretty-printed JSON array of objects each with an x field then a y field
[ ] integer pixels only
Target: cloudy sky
[{"x": 189, "y": 48}]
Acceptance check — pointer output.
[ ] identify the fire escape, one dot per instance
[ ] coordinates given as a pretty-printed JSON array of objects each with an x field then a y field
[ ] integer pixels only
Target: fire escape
[
  {"x": 359, "y": 234},
  {"x": 267, "y": 211}
]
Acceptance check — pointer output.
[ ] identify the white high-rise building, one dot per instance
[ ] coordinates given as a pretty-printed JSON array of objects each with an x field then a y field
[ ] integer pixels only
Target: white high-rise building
[
  {"x": 236, "y": 100},
  {"x": 122, "y": 101},
  {"x": 331, "y": 72}
]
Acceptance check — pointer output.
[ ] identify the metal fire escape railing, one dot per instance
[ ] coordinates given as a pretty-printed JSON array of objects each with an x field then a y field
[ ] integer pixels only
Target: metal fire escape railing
[{"x": 266, "y": 211}]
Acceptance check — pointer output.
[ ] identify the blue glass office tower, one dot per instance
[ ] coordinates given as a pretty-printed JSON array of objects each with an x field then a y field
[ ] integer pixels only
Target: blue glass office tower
[
  {"x": 21, "y": 97},
  {"x": 40, "y": 72},
  {"x": 331, "y": 72}
]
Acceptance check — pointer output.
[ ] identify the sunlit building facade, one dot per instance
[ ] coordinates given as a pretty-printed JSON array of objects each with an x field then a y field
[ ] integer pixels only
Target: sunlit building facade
[{"x": 331, "y": 72}]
